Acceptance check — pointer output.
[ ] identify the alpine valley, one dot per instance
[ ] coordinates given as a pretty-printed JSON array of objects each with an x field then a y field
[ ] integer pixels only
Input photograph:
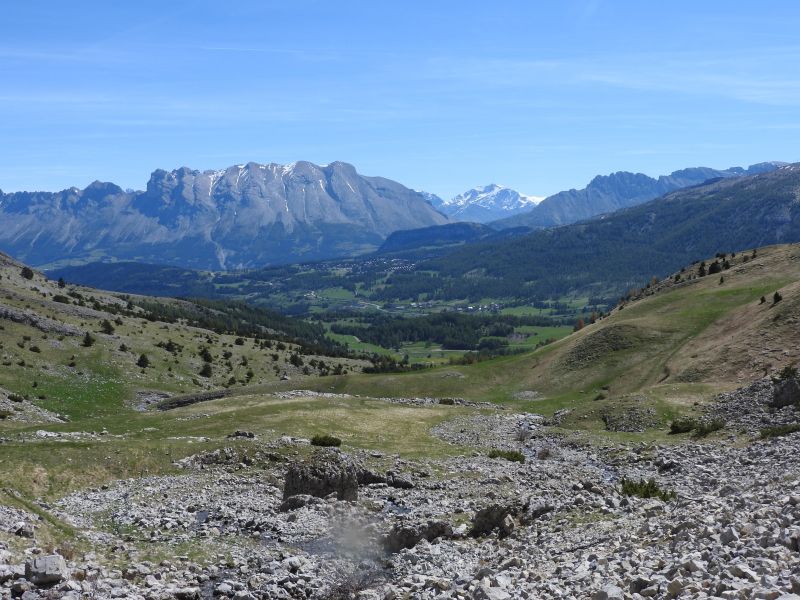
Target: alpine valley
[{"x": 608, "y": 408}]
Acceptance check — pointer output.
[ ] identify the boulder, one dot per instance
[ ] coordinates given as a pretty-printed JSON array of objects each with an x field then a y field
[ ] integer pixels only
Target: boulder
[
  {"x": 786, "y": 392},
  {"x": 325, "y": 472},
  {"x": 297, "y": 502},
  {"x": 46, "y": 570},
  {"x": 493, "y": 517},
  {"x": 408, "y": 535},
  {"x": 609, "y": 592},
  {"x": 534, "y": 509},
  {"x": 367, "y": 477},
  {"x": 399, "y": 482},
  {"x": 490, "y": 593}
]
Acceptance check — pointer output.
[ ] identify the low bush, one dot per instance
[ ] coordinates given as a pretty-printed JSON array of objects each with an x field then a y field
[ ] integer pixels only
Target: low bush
[
  {"x": 788, "y": 372},
  {"x": 326, "y": 441},
  {"x": 645, "y": 489},
  {"x": 511, "y": 455},
  {"x": 683, "y": 425},
  {"x": 699, "y": 427},
  {"x": 779, "y": 430},
  {"x": 706, "y": 427}
]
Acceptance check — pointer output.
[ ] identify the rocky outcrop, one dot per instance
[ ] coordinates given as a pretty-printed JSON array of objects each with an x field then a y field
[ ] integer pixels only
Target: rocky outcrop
[
  {"x": 41, "y": 323},
  {"x": 326, "y": 472}
]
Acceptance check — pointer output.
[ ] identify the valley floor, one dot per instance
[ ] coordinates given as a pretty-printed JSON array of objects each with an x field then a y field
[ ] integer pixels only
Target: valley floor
[{"x": 436, "y": 518}]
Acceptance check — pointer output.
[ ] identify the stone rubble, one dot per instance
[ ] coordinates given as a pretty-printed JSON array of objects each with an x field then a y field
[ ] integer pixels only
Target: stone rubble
[{"x": 257, "y": 524}]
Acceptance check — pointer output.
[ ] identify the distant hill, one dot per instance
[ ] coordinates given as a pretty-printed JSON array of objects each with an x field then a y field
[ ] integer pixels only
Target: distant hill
[
  {"x": 243, "y": 216},
  {"x": 485, "y": 204},
  {"x": 609, "y": 193}
]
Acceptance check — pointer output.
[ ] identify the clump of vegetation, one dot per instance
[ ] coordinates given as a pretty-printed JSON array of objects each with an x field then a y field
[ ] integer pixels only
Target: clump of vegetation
[
  {"x": 206, "y": 370},
  {"x": 88, "y": 340},
  {"x": 510, "y": 455},
  {"x": 326, "y": 441},
  {"x": 682, "y": 425},
  {"x": 706, "y": 427},
  {"x": 788, "y": 372},
  {"x": 143, "y": 361},
  {"x": 700, "y": 427},
  {"x": 779, "y": 430},
  {"x": 447, "y": 401},
  {"x": 645, "y": 489},
  {"x": 27, "y": 273},
  {"x": 776, "y": 297}
]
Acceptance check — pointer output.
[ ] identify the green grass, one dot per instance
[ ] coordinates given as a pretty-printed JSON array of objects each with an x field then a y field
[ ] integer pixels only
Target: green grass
[{"x": 510, "y": 455}]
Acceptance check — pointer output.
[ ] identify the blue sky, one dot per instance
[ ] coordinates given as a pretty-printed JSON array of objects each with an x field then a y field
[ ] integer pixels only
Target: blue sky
[{"x": 439, "y": 95}]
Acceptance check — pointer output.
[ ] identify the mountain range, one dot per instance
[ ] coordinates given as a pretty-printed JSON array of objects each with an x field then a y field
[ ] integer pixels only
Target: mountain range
[
  {"x": 608, "y": 193},
  {"x": 599, "y": 258},
  {"x": 245, "y": 215},
  {"x": 253, "y": 215}
]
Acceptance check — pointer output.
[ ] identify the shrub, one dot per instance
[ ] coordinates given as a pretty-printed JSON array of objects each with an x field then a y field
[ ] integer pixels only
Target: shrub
[
  {"x": 206, "y": 370},
  {"x": 88, "y": 340},
  {"x": 511, "y": 455},
  {"x": 788, "y": 372},
  {"x": 143, "y": 361},
  {"x": 705, "y": 427},
  {"x": 326, "y": 441},
  {"x": 763, "y": 300},
  {"x": 15, "y": 398},
  {"x": 26, "y": 272},
  {"x": 645, "y": 489},
  {"x": 776, "y": 297},
  {"x": 62, "y": 299},
  {"x": 106, "y": 327},
  {"x": 35, "y": 349},
  {"x": 683, "y": 425},
  {"x": 447, "y": 401},
  {"x": 779, "y": 430}
]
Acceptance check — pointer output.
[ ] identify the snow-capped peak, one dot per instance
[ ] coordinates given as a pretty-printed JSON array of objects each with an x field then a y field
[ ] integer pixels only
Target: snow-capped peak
[{"x": 488, "y": 203}]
